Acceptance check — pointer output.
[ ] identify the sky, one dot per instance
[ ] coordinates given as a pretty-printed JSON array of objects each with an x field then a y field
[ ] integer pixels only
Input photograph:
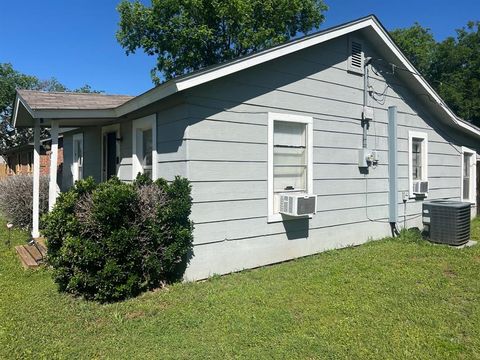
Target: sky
[{"x": 74, "y": 40}]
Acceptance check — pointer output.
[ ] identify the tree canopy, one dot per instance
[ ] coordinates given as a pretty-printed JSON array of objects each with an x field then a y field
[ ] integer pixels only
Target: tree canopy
[
  {"x": 452, "y": 66},
  {"x": 187, "y": 35},
  {"x": 10, "y": 81}
]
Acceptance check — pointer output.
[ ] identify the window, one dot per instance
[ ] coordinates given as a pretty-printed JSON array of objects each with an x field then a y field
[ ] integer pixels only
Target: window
[
  {"x": 77, "y": 164},
  {"x": 418, "y": 160},
  {"x": 469, "y": 172},
  {"x": 290, "y": 158},
  {"x": 144, "y": 146}
]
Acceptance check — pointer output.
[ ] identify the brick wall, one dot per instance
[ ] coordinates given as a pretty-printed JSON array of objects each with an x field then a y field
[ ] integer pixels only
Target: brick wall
[{"x": 22, "y": 163}]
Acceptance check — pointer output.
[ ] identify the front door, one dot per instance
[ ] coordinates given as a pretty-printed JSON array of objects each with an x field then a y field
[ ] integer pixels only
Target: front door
[{"x": 109, "y": 155}]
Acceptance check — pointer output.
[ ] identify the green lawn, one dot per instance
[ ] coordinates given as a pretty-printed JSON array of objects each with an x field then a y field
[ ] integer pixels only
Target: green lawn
[{"x": 389, "y": 299}]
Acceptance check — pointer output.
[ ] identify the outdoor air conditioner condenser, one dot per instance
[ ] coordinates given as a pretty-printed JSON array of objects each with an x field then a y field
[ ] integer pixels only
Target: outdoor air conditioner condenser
[{"x": 447, "y": 222}]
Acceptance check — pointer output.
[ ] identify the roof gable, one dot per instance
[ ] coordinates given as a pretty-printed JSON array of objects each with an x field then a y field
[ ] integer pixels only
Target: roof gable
[{"x": 370, "y": 24}]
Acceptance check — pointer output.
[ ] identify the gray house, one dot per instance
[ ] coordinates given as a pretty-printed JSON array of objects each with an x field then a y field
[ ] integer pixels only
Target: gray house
[{"x": 340, "y": 117}]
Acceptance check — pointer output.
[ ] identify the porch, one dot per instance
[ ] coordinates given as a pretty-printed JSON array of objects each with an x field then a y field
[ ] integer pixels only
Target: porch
[{"x": 56, "y": 111}]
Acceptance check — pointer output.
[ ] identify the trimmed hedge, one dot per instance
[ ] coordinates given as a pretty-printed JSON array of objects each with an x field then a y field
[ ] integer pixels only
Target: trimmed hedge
[{"x": 113, "y": 240}]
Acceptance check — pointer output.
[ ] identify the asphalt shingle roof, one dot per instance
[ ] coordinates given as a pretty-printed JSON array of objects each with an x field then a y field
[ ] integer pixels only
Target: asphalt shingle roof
[{"x": 41, "y": 100}]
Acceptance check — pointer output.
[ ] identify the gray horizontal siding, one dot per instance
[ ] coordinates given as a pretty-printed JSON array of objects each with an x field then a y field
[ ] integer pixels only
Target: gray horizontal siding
[{"x": 225, "y": 138}]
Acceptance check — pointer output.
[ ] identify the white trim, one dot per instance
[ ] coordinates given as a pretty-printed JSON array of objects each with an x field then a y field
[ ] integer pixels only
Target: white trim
[
  {"x": 148, "y": 122},
  {"x": 184, "y": 83},
  {"x": 75, "y": 173},
  {"x": 109, "y": 129},
  {"x": 36, "y": 180},
  {"x": 473, "y": 175},
  {"x": 417, "y": 135},
  {"x": 272, "y": 117},
  {"x": 187, "y": 82},
  {"x": 53, "y": 189}
]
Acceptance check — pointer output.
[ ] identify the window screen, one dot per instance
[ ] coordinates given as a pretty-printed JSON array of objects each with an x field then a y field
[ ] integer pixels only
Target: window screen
[
  {"x": 466, "y": 176},
  {"x": 289, "y": 157},
  {"x": 417, "y": 159}
]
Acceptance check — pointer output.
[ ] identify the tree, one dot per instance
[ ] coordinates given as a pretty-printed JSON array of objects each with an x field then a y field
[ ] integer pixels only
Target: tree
[
  {"x": 10, "y": 81},
  {"x": 418, "y": 44},
  {"x": 456, "y": 72},
  {"x": 452, "y": 66},
  {"x": 187, "y": 35}
]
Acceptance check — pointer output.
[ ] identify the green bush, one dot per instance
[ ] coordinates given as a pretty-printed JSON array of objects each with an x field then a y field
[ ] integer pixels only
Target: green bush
[{"x": 113, "y": 240}]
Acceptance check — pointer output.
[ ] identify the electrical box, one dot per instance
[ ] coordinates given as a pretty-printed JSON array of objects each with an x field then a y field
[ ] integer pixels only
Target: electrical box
[
  {"x": 298, "y": 204},
  {"x": 367, "y": 113}
]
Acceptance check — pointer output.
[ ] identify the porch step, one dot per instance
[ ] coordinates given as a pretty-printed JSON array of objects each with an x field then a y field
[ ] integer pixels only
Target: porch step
[{"x": 30, "y": 256}]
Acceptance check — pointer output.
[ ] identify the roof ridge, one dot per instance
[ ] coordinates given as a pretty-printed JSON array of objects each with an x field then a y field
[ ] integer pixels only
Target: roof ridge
[{"x": 72, "y": 93}]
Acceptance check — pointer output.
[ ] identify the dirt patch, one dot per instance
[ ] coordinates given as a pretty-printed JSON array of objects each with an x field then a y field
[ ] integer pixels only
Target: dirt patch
[
  {"x": 135, "y": 315},
  {"x": 450, "y": 273}
]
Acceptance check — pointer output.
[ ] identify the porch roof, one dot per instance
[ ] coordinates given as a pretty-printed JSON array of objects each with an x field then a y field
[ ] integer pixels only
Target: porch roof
[{"x": 76, "y": 109}]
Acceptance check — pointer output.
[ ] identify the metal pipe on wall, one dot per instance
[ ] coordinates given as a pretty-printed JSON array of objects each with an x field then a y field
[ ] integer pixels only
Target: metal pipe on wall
[{"x": 392, "y": 165}]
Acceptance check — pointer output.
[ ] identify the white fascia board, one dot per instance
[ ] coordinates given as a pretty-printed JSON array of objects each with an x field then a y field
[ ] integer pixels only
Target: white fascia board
[
  {"x": 147, "y": 98},
  {"x": 74, "y": 113},
  {"x": 242, "y": 64},
  {"x": 188, "y": 82},
  {"x": 20, "y": 101},
  {"x": 467, "y": 127}
]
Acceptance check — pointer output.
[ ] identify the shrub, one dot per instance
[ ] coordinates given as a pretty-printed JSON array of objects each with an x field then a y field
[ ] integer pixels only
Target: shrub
[
  {"x": 16, "y": 199},
  {"x": 113, "y": 240}
]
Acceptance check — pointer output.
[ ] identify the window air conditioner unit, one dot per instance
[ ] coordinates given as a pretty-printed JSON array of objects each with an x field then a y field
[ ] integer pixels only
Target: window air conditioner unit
[
  {"x": 298, "y": 204},
  {"x": 420, "y": 188}
]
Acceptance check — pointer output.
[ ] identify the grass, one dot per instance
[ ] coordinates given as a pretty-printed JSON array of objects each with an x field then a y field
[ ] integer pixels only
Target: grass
[{"x": 391, "y": 299}]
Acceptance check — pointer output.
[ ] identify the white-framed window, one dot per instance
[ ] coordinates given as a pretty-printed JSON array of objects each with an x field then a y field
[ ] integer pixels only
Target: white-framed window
[
  {"x": 77, "y": 163},
  {"x": 469, "y": 175},
  {"x": 417, "y": 159},
  {"x": 144, "y": 151},
  {"x": 290, "y": 158}
]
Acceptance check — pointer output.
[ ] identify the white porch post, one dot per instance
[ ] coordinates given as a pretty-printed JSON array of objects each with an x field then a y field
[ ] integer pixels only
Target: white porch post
[
  {"x": 52, "y": 189},
  {"x": 36, "y": 179}
]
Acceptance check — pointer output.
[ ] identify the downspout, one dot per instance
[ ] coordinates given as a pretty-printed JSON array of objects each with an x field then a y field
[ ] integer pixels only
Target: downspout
[{"x": 392, "y": 169}]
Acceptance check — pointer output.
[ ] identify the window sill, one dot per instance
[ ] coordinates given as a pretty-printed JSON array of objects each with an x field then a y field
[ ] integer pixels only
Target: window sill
[
  {"x": 275, "y": 218},
  {"x": 418, "y": 196}
]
